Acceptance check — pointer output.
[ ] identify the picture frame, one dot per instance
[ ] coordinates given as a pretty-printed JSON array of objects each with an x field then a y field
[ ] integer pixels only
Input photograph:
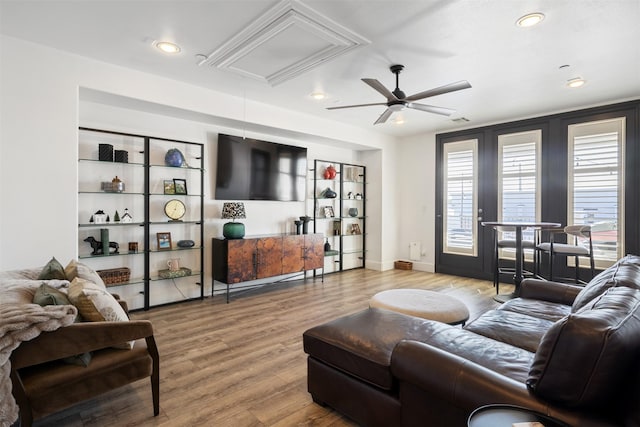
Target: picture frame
[
  {"x": 169, "y": 186},
  {"x": 164, "y": 241},
  {"x": 180, "y": 186},
  {"x": 328, "y": 212},
  {"x": 355, "y": 229}
]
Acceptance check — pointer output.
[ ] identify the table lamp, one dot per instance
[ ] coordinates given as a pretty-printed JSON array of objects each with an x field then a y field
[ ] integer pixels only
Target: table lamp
[{"x": 233, "y": 210}]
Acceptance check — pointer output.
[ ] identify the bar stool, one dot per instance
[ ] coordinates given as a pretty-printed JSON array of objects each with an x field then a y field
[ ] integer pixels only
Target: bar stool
[
  {"x": 577, "y": 237},
  {"x": 510, "y": 244}
]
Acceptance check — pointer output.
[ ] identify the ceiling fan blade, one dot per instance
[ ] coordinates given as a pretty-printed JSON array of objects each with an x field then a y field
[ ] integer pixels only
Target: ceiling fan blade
[
  {"x": 451, "y": 87},
  {"x": 431, "y": 109},
  {"x": 380, "y": 88},
  {"x": 354, "y": 106},
  {"x": 384, "y": 116}
]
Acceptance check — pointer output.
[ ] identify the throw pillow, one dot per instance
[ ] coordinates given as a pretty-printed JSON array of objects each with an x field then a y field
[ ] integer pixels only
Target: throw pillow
[
  {"x": 96, "y": 304},
  {"x": 46, "y": 295},
  {"x": 53, "y": 270},
  {"x": 77, "y": 269}
]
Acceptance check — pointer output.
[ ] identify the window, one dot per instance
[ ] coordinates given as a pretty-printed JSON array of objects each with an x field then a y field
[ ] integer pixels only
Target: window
[
  {"x": 518, "y": 178},
  {"x": 460, "y": 198},
  {"x": 595, "y": 185}
]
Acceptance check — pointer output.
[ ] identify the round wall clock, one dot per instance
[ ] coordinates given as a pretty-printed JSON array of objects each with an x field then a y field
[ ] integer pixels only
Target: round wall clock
[{"x": 174, "y": 209}]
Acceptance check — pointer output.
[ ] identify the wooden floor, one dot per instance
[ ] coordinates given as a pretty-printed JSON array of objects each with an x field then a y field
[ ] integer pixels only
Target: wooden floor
[{"x": 242, "y": 364}]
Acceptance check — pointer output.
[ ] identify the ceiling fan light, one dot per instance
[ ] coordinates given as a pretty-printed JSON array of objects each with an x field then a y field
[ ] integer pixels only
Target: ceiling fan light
[
  {"x": 530, "y": 19},
  {"x": 168, "y": 47},
  {"x": 576, "y": 82},
  {"x": 397, "y": 107}
]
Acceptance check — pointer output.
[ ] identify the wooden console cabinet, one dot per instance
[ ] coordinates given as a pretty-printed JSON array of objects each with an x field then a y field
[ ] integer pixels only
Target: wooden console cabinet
[{"x": 252, "y": 258}]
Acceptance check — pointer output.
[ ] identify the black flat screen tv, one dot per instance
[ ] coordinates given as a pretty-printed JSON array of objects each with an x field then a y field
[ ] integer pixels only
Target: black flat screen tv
[{"x": 251, "y": 169}]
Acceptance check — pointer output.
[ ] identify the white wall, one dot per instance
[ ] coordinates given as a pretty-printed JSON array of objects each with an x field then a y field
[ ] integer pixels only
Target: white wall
[
  {"x": 40, "y": 109},
  {"x": 416, "y": 167}
]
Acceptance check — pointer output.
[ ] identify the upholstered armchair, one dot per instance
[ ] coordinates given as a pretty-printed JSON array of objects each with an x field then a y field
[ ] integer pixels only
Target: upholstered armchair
[{"x": 42, "y": 384}]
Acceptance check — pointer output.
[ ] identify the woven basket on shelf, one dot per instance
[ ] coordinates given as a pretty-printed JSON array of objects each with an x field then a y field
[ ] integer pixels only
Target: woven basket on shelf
[{"x": 113, "y": 276}]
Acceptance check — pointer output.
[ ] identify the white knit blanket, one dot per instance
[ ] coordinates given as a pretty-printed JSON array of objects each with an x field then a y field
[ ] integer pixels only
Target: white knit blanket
[{"x": 18, "y": 323}]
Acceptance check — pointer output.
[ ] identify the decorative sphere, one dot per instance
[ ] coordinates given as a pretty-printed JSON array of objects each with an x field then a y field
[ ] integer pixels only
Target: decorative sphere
[{"x": 174, "y": 158}]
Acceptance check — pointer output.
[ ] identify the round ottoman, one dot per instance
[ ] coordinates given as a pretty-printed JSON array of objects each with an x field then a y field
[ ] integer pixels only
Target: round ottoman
[{"x": 422, "y": 303}]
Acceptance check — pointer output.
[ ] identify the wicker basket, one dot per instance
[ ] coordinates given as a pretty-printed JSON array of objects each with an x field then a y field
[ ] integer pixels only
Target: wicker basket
[
  {"x": 114, "y": 276},
  {"x": 403, "y": 265}
]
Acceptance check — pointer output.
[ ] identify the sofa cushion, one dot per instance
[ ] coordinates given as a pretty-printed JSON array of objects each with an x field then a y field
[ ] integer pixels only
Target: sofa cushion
[
  {"x": 53, "y": 270},
  {"x": 361, "y": 344},
  {"x": 625, "y": 272},
  {"x": 541, "y": 309},
  {"x": 513, "y": 328},
  {"x": 585, "y": 358},
  {"x": 96, "y": 305},
  {"x": 77, "y": 269},
  {"x": 46, "y": 295},
  {"x": 506, "y": 359}
]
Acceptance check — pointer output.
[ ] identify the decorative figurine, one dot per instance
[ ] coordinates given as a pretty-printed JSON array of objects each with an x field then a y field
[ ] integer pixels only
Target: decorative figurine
[
  {"x": 97, "y": 246},
  {"x": 126, "y": 216}
]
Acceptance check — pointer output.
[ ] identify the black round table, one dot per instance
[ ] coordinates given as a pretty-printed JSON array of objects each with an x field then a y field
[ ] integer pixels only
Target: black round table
[{"x": 507, "y": 415}]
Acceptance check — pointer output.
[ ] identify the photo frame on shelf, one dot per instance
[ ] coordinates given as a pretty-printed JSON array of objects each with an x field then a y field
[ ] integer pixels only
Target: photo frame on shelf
[
  {"x": 164, "y": 241},
  {"x": 328, "y": 212},
  {"x": 169, "y": 186},
  {"x": 180, "y": 186},
  {"x": 336, "y": 228},
  {"x": 355, "y": 229}
]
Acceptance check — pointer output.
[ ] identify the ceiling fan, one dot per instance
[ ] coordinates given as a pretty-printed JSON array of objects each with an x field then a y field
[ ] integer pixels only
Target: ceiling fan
[{"x": 398, "y": 101}]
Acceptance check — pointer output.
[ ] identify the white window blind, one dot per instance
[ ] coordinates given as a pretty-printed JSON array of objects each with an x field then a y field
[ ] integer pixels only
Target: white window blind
[
  {"x": 460, "y": 172},
  {"x": 596, "y": 184}
]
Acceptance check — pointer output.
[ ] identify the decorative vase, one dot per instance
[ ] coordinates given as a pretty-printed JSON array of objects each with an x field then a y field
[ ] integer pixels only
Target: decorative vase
[
  {"x": 305, "y": 224},
  {"x": 330, "y": 172},
  {"x": 329, "y": 193},
  {"x": 233, "y": 230},
  {"x": 298, "y": 224},
  {"x": 353, "y": 212},
  {"x": 174, "y": 157},
  {"x": 327, "y": 246}
]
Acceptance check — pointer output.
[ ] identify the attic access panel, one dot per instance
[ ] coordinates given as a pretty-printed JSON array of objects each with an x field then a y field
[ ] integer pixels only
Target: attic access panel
[{"x": 286, "y": 41}]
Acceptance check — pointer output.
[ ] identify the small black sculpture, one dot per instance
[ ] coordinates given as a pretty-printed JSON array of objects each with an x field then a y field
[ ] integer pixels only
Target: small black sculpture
[{"x": 97, "y": 246}]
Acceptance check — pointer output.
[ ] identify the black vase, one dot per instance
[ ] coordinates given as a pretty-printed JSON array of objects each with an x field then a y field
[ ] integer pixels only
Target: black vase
[
  {"x": 327, "y": 246},
  {"x": 305, "y": 224}
]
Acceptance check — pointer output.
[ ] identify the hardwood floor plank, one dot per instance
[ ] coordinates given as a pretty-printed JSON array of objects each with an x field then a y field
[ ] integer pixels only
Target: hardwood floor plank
[{"x": 242, "y": 364}]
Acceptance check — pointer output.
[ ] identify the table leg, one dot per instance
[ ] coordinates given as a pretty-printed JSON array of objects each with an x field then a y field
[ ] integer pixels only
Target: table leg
[{"x": 517, "y": 278}]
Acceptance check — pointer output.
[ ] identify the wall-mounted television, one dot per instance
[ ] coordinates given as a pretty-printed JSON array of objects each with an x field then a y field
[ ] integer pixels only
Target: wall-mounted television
[{"x": 251, "y": 169}]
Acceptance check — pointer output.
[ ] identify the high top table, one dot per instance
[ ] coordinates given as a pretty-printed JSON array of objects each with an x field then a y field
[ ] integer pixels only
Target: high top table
[{"x": 518, "y": 226}]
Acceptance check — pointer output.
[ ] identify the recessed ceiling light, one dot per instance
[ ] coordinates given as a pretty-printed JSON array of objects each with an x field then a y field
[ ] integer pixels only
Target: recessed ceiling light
[
  {"x": 168, "y": 47},
  {"x": 576, "y": 82},
  {"x": 318, "y": 95},
  {"x": 530, "y": 19}
]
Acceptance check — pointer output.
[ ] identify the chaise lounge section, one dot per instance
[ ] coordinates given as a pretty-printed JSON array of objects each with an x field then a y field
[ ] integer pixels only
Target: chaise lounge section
[{"x": 562, "y": 350}]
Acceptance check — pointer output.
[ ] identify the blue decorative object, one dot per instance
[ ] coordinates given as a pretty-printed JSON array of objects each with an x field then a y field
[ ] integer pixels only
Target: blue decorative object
[{"x": 174, "y": 158}]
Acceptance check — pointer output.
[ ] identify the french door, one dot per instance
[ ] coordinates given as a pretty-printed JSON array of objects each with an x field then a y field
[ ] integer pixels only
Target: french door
[{"x": 460, "y": 242}]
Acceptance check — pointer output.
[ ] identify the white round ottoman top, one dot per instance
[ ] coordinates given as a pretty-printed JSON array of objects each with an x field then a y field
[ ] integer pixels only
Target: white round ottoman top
[{"x": 422, "y": 303}]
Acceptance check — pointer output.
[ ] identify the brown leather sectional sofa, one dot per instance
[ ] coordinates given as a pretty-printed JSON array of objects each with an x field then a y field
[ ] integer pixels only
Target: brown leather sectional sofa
[{"x": 566, "y": 351}]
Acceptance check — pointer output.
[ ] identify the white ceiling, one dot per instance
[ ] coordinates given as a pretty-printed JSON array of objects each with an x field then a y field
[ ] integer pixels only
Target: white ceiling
[{"x": 514, "y": 72}]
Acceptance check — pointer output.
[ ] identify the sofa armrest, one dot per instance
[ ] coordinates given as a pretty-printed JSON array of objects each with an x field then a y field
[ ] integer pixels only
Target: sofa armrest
[
  {"x": 76, "y": 339},
  {"x": 561, "y": 293}
]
